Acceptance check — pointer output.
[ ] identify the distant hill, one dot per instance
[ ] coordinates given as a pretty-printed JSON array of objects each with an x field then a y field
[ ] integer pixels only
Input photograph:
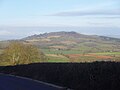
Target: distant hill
[{"x": 74, "y": 41}]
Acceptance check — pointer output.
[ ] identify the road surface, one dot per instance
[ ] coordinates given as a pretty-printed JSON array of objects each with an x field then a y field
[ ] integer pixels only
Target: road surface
[{"x": 8, "y": 82}]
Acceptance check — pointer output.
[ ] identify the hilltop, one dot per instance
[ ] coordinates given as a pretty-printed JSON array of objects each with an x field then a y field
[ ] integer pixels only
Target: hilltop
[{"x": 74, "y": 41}]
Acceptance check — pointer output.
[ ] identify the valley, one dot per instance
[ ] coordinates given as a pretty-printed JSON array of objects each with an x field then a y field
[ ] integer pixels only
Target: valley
[{"x": 72, "y": 47}]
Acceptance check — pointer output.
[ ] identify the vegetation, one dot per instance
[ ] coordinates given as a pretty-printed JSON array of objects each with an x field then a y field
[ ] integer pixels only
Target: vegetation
[
  {"x": 69, "y": 42},
  {"x": 56, "y": 59},
  {"x": 77, "y": 76},
  {"x": 60, "y": 47},
  {"x": 19, "y": 53}
]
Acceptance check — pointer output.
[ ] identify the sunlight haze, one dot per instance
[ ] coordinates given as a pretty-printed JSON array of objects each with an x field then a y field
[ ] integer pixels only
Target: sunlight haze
[{"x": 21, "y": 18}]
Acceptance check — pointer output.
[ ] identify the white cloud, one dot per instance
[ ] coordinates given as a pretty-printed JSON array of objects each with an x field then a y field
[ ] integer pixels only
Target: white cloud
[
  {"x": 100, "y": 8},
  {"x": 34, "y": 32},
  {"x": 5, "y": 33}
]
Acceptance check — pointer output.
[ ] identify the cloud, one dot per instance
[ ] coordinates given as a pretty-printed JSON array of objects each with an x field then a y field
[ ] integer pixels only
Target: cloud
[
  {"x": 4, "y": 33},
  {"x": 106, "y": 8},
  {"x": 88, "y": 13}
]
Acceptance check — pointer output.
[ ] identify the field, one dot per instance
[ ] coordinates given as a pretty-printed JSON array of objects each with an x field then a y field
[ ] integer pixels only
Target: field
[
  {"x": 61, "y": 56},
  {"x": 56, "y": 58},
  {"x": 77, "y": 56},
  {"x": 60, "y": 47}
]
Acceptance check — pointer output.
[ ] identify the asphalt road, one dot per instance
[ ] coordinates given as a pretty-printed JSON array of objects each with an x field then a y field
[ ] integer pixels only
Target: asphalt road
[{"x": 17, "y": 83}]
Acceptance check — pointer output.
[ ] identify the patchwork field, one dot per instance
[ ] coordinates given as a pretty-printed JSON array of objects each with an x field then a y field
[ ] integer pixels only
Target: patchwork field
[
  {"x": 71, "y": 47},
  {"x": 76, "y": 56}
]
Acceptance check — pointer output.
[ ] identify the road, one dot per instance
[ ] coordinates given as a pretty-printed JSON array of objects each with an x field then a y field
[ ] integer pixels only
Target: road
[{"x": 8, "y": 82}]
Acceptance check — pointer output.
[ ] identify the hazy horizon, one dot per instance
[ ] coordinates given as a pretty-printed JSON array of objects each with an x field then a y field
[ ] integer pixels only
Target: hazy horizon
[
  {"x": 22, "y": 32},
  {"x": 19, "y": 19}
]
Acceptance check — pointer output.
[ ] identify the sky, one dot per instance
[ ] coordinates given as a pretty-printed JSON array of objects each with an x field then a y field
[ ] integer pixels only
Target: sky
[{"x": 21, "y": 18}]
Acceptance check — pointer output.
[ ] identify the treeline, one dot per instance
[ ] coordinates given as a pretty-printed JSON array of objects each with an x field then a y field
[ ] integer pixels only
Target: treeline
[{"x": 77, "y": 76}]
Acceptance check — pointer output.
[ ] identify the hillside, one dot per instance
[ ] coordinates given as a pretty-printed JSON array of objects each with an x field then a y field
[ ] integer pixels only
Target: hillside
[
  {"x": 72, "y": 47},
  {"x": 74, "y": 41}
]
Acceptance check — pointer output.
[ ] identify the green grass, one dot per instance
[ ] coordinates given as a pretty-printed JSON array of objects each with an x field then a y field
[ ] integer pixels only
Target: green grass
[
  {"x": 53, "y": 51},
  {"x": 86, "y": 59},
  {"x": 1, "y": 51},
  {"x": 57, "y": 59},
  {"x": 108, "y": 53}
]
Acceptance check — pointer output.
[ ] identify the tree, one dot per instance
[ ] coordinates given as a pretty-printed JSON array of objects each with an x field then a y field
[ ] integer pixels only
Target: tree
[{"x": 19, "y": 53}]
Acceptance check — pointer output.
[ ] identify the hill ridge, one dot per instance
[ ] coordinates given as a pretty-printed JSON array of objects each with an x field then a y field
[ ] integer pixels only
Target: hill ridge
[{"x": 74, "y": 41}]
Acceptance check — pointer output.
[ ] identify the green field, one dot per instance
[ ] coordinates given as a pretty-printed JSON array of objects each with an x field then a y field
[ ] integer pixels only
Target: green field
[
  {"x": 57, "y": 59},
  {"x": 98, "y": 56},
  {"x": 58, "y": 56},
  {"x": 108, "y": 53},
  {"x": 53, "y": 51}
]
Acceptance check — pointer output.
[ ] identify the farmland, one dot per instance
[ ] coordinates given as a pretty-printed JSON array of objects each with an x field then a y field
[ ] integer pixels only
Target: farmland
[
  {"x": 71, "y": 47},
  {"x": 75, "y": 47},
  {"x": 77, "y": 56}
]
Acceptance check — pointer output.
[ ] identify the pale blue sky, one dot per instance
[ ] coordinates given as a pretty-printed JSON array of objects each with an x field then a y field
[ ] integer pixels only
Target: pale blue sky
[{"x": 57, "y": 13}]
